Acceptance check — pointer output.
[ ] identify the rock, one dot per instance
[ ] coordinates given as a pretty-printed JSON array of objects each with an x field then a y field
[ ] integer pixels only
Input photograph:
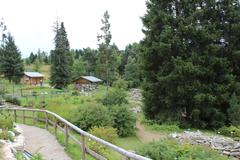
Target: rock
[
  {"x": 11, "y": 133},
  {"x": 8, "y": 154},
  {"x": 226, "y": 145},
  {"x": 135, "y": 94},
  {"x": 136, "y": 109}
]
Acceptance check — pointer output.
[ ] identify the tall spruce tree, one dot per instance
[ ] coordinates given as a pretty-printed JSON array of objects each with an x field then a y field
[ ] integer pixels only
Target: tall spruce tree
[
  {"x": 3, "y": 29},
  {"x": 186, "y": 55},
  {"x": 106, "y": 58},
  {"x": 11, "y": 63},
  {"x": 61, "y": 59}
]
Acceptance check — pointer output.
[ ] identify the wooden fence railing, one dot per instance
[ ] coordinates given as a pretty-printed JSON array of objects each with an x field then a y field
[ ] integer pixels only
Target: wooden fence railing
[{"x": 63, "y": 125}]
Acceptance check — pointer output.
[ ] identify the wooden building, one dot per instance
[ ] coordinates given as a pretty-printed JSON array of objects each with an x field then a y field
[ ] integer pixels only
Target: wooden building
[
  {"x": 33, "y": 78},
  {"x": 86, "y": 82}
]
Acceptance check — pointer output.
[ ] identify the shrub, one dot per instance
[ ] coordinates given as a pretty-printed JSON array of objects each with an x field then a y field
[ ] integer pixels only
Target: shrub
[
  {"x": 91, "y": 115},
  {"x": 13, "y": 100},
  {"x": 37, "y": 157},
  {"x": 170, "y": 149},
  {"x": 234, "y": 110},
  {"x": 75, "y": 93},
  {"x": 231, "y": 131},
  {"x": 6, "y": 122},
  {"x": 115, "y": 97},
  {"x": 120, "y": 84},
  {"x": 20, "y": 156},
  {"x": 107, "y": 133},
  {"x": 5, "y": 135},
  {"x": 123, "y": 120},
  {"x": 43, "y": 104}
]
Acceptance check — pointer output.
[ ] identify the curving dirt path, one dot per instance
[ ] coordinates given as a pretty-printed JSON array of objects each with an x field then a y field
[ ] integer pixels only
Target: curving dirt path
[
  {"x": 146, "y": 136},
  {"x": 38, "y": 140}
]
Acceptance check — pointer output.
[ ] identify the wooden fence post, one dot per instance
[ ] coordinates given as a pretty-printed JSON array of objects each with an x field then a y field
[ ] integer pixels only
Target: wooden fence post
[
  {"x": 66, "y": 135},
  {"x": 55, "y": 127},
  {"x": 15, "y": 115},
  {"x": 23, "y": 116},
  {"x": 46, "y": 121},
  {"x": 34, "y": 118},
  {"x": 83, "y": 147}
]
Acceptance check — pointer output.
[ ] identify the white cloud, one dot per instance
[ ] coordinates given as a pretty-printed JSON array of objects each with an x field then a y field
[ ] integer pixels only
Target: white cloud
[{"x": 31, "y": 21}]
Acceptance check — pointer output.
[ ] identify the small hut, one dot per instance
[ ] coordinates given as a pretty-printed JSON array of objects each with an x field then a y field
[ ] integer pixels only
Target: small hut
[
  {"x": 33, "y": 78},
  {"x": 86, "y": 83}
]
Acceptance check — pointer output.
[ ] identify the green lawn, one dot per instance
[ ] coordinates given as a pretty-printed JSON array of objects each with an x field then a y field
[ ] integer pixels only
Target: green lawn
[{"x": 64, "y": 103}]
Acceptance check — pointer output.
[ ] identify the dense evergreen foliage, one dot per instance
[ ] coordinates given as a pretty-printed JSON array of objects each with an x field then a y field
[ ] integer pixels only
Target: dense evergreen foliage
[
  {"x": 190, "y": 54},
  {"x": 234, "y": 110},
  {"x": 131, "y": 61},
  {"x": 61, "y": 59},
  {"x": 11, "y": 64},
  {"x": 106, "y": 66},
  {"x": 123, "y": 120}
]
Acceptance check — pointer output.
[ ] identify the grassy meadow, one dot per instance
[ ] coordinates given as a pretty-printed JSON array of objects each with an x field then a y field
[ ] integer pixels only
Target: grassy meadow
[{"x": 65, "y": 102}]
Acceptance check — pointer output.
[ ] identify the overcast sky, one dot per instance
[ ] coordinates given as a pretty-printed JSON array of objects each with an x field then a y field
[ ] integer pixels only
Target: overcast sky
[{"x": 31, "y": 21}]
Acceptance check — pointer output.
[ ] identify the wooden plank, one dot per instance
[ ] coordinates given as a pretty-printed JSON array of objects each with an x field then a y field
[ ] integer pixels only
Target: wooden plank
[
  {"x": 23, "y": 117},
  {"x": 34, "y": 118},
  {"x": 55, "y": 127},
  {"x": 75, "y": 140},
  {"x": 83, "y": 147},
  {"x": 15, "y": 115},
  {"x": 34, "y": 122},
  {"x": 60, "y": 128},
  {"x": 46, "y": 118},
  {"x": 51, "y": 122},
  {"x": 66, "y": 135},
  {"x": 95, "y": 155}
]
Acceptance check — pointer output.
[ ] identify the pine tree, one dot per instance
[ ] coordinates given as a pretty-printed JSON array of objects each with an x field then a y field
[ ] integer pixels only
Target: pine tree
[
  {"x": 106, "y": 58},
  {"x": 32, "y": 58},
  {"x": 61, "y": 59},
  {"x": 11, "y": 62},
  {"x": 89, "y": 58},
  {"x": 3, "y": 30},
  {"x": 186, "y": 61}
]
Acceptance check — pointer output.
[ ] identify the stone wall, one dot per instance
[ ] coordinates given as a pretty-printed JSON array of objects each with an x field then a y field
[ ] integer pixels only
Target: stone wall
[{"x": 225, "y": 145}]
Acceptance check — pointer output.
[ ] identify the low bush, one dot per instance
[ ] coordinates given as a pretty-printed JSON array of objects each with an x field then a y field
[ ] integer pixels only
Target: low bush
[
  {"x": 123, "y": 120},
  {"x": 6, "y": 122},
  {"x": 91, "y": 115},
  {"x": 20, "y": 156},
  {"x": 75, "y": 93},
  {"x": 170, "y": 149},
  {"x": 120, "y": 84},
  {"x": 231, "y": 131},
  {"x": 13, "y": 100},
  {"x": 107, "y": 133},
  {"x": 115, "y": 96},
  {"x": 5, "y": 135}
]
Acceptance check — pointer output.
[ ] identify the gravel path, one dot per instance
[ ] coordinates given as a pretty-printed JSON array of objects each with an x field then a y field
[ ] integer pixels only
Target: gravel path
[
  {"x": 38, "y": 140},
  {"x": 146, "y": 136}
]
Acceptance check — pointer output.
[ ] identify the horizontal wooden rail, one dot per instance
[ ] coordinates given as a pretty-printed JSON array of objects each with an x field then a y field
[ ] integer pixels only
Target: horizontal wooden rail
[{"x": 67, "y": 127}]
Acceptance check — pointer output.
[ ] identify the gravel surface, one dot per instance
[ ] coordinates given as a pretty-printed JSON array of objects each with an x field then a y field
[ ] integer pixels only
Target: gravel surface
[
  {"x": 1, "y": 152},
  {"x": 146, "y": 136},
  {"x": 38, "y": 140}
]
